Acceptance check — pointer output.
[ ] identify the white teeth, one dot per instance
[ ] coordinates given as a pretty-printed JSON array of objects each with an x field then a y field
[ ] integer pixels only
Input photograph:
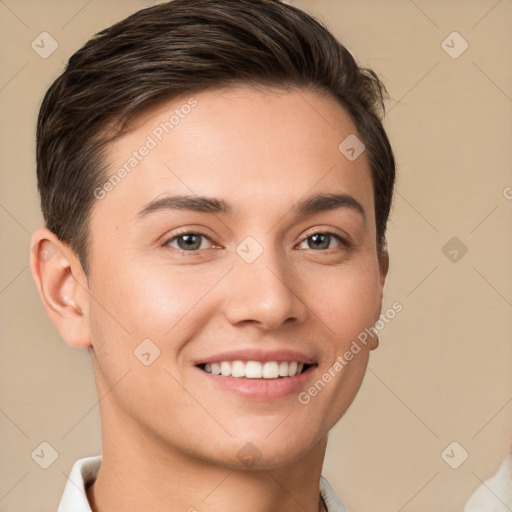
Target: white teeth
[
  {"x": 237, "y": 369},
  {"x": 270, "y": 370},
  {"x": 255, "y": 369},
  {"x": 225, "y": 369},
  {"x": 292, "y": 369}
]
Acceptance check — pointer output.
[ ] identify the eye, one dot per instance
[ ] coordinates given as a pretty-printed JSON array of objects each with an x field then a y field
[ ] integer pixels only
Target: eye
[
  {"x": 192, "y": 241},
  {"x": 321, "y": 240},
  {"x": 188, "y": 241}
]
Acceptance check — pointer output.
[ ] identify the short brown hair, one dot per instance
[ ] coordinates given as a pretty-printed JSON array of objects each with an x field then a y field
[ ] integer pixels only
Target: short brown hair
[{"x": 181, "y": 47}]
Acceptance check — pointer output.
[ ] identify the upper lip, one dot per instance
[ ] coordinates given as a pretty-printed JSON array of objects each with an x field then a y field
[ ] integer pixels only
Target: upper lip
[{"x": 257, "y": 355}]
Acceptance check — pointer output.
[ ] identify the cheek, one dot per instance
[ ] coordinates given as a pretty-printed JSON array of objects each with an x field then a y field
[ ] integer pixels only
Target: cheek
[
  {"x": 128, "y": 319},
  {"x": 151, "y": 300},
  {"x": 347, "y": 301},
  {"x": 169, "y": 301},
  {"x": 167, "y": 306}
]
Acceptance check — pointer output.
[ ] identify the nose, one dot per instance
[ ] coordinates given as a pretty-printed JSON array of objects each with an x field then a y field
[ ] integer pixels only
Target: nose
[{"x": 265, "y": 292}]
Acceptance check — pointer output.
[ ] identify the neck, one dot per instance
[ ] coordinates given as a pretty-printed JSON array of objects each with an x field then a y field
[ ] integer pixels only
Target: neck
[
  {"x": 139, "y": 472},
  {"x": 134, "y": 482}
]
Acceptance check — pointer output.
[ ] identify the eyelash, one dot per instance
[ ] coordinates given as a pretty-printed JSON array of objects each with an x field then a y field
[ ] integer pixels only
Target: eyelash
[{"x": 344, "y": 242}]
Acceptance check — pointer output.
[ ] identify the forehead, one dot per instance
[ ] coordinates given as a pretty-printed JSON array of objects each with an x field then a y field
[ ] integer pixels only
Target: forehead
[{"x": 256, "y": 149}]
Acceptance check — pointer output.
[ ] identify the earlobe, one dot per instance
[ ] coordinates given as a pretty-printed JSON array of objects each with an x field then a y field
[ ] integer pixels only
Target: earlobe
[{"x": 62, "y": 286}]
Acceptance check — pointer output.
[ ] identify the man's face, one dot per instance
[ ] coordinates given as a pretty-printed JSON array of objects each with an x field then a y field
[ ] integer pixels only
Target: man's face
[{"x": 175, "y": 291}]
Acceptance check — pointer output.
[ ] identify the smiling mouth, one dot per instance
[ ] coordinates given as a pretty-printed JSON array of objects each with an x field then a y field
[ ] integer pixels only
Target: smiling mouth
[{"x": 256, "y": 369}]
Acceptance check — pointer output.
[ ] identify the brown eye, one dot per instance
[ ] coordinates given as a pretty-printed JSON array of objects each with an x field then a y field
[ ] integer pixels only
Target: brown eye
[{"x": 187, "y": 241}]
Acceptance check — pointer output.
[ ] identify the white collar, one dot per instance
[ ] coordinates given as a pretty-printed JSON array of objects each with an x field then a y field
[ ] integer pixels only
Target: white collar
[
  {"x": 495, "y": 494},
  {"x": 85, "y": 470}
]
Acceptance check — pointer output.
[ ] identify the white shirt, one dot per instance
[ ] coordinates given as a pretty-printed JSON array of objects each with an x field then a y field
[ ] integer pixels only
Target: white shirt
[
  {"x": 495, "y": 494},
  {"x": 85, "y": 470}
]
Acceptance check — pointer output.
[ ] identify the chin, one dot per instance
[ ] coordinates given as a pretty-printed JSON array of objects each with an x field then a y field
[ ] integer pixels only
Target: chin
[{"x": 274, "y": 451}]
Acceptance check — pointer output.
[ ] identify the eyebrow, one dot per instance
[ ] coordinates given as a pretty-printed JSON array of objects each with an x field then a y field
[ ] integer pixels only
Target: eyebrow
[{"x": 313, "y": 204}]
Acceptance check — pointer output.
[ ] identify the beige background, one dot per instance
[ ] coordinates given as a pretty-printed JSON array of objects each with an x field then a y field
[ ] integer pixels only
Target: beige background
[{"x": 443, "y": 372}]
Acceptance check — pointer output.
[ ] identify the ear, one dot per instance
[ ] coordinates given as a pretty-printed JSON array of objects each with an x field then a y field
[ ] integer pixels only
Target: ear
[
  {"x": 383, "y": 267},
  {"x": 383, "y": 272},
  {"x": 62, "y": 285}
]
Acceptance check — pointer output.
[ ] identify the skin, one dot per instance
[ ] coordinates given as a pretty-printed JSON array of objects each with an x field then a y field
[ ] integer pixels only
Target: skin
[{"x": 170, "y": 441}]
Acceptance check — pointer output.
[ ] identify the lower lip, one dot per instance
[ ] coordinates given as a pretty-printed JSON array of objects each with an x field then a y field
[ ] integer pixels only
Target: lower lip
[{"x": 264, "y": 390}]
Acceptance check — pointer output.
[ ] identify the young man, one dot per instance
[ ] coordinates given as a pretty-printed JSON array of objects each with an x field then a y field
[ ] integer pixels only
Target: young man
[{"x": 215, "y": 182}]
